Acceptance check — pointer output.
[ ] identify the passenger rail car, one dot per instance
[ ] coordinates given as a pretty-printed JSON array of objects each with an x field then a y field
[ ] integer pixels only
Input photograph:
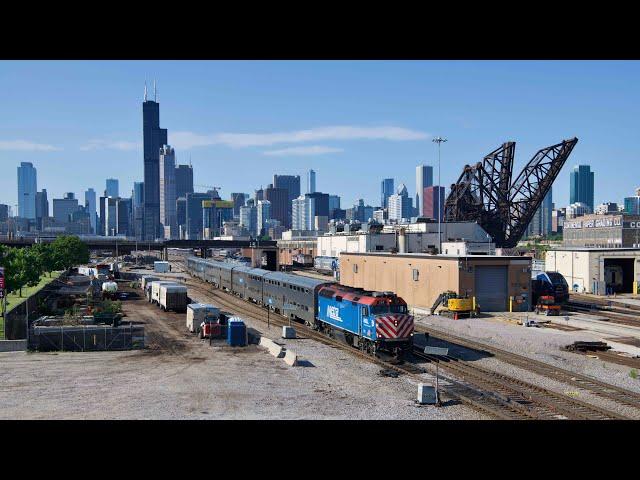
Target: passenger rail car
[{"x": 371, "y": 321}]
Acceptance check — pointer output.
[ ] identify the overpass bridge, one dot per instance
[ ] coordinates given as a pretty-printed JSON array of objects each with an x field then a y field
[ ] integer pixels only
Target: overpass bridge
[{"x": 120, "y": 246}]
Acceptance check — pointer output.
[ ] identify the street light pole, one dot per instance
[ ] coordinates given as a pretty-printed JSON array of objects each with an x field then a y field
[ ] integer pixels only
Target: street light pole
[{"x": 439, "y": 140}]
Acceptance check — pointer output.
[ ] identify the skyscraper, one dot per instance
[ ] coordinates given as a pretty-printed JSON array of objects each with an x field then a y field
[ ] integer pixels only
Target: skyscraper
[
  {"x": 154, "y": 137},
  {"x": 540, "y": 224},
  {"x": 238, "y": 200},
  {"x": 400, "y": 204},
  {"x": 137, "y": 204},
  {"x": 311, "y": 181},
  {"x": 632, "y": 204},
  {"x": 279, "y": 199},
  {"x": 112, "y": 188},
  {"x": 303, "y": 213},
  {"x": 184, "y": 180},
  {"x": 386, "y": 190},
  {"x": 42, "y": 207},
  {"x": 433, "y": 202},
  {"x": 90, "y": 205},
  {"x": 292, "y": 184},
  {"x": 27, "y": 188},
  {"x": 263, "y": 212},
  {"x": 168, "y": 191},
  {"x": 4, "y": 212},
  {"x": 63, "y": 208},
  {"x": 581, "y": 187},
  {"x": 424, "y": 179},
  {"x": 249, "y": 218},
  {"x": 194, "y": 214}
]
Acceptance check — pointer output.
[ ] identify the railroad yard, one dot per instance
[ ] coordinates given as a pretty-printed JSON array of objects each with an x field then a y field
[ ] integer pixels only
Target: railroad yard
[{"x": 494, "y": 369}]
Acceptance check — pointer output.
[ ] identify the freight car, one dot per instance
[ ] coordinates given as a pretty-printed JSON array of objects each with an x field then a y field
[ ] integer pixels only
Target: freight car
[
  {"x": 303, "y": 260},
  {"x": 371, "y": 321}
]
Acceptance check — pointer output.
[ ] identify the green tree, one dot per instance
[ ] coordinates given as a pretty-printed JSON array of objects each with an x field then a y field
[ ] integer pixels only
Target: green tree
[
  {"x": 21, "y": 269},
  {"x": 68, "y": 251},
  {"x": 43, "y": 255}
]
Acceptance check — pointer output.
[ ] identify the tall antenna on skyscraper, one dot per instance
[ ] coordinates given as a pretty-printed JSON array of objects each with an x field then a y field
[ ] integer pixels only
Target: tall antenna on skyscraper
[{"x": 145, "y": 91}]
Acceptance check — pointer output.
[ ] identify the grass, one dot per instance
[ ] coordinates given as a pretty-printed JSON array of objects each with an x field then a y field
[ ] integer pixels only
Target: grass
[{"x": 13, "y": 299}]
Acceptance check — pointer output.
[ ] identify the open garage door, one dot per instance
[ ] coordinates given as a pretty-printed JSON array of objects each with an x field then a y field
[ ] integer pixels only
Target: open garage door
[
  {"x": 618, "y": 274},
  {"x": 491, "y": 288}
]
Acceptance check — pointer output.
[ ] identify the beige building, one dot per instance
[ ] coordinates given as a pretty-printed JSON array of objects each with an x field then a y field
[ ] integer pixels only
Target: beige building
[
  {"x": 419, "y": 278},
  {"x": 591, "y": 270}
]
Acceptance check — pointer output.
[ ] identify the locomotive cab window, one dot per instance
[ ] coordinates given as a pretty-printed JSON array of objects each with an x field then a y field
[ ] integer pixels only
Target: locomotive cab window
[{"x": 365, "y": 311}]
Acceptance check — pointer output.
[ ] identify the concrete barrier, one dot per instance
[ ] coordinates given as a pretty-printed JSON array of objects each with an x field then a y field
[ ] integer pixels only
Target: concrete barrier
[
  {"x": 290, "y": 358},
  {"x": 273, "y": 347},
  {"x": 13, "y": 345}
]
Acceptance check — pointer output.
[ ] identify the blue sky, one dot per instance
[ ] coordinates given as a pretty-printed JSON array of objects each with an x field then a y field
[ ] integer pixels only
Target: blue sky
[{"x": 353, "y": 122}]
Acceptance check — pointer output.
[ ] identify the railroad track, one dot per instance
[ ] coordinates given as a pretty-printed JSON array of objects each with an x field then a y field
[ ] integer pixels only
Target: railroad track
[
  {"x": 589, "y": 384},
  {"x": 495, "y": 394},
  {"x": 630, "y": 318},
  {"x": 540, "y": 402}
]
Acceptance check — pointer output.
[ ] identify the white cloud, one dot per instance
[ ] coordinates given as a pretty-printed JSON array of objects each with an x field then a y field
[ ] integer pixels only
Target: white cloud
[
  {"x": 115, "y": 145},
  {"x": 25, "y": 145},
  {"x": 310, "y": 150},
  {"x": 185, "y": 140}
]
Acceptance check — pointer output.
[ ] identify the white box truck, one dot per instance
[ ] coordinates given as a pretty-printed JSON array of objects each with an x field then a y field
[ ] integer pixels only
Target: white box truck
[
  {"x": 154, "y": 290},
  {"x": 161, "y": 267},
  {"x": 146, "y": 279},
  {"x": 196, "y": 313},
  {"x": 173, "y": 297}
]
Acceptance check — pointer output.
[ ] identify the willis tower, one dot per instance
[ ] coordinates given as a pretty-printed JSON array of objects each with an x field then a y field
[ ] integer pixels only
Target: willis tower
[{"x": 154, "y": 137}]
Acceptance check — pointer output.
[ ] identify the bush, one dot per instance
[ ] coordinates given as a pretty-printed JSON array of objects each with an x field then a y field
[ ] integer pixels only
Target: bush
[{"x": 633, "y": 373}]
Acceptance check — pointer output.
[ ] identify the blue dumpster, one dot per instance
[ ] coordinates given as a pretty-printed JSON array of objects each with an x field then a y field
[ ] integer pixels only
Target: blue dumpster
[{"x": 236, "y": 332}]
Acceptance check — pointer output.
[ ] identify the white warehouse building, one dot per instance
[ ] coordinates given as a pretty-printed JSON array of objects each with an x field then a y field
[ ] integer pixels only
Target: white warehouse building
[{"x": 597, "y": 270}]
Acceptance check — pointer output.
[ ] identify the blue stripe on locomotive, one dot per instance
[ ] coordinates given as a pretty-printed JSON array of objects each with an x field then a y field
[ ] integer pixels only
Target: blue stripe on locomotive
[{"x": 346, "y": 315}]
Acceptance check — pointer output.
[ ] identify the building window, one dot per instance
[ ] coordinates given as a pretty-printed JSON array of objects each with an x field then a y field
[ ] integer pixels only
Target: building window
[
  {"x": 379, "y": 247},
  {"x": 416, "y": 274},
  {"x": 355, "y": 268}
]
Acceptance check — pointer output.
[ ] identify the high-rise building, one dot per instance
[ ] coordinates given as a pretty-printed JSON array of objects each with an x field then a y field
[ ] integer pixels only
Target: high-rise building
[
  {"x": 90, "y": 206},
  {"x": 386, "y": 190},
  {"x": 249, "y": 218},
  {"x": 400, "y": 204},
  {"x": 27, "y": 189},
  {"x": 279, "y": 199},
  {"x": 109, "y": 212},
  {"x": 311, "y": 181},
  {"x": 424, "y": 179},
  {"x": 541, "y": 223},
  {"x": 632, "y": 204},
  {"x": 42, "y": 207},
  {"x": 181, "y": 216},
  {"x": 334, "y": 204},
  {"x": 123, "y": 216},
  {"x": 194, "y": 214},
  {"x": 581, "y": 185},
  {"x": 263, "y": 212},
  {"x": 292, "y": 184},
  {"x": 184, "y": 180},
  {"x": 238, "y": 200},
  {"x": 154, "y": 137},
  {"x": 303, "y": 211},
  {"x": 433, "y": 202},
  {"x": 137, "y": 204},
  {"x": 4, "y": 212},
  {"x": 63, "y": 208},
  {"x": 578, "y": 209},
  {"x": 168, "y": 191},
  {"x": 112, "y": 188}
]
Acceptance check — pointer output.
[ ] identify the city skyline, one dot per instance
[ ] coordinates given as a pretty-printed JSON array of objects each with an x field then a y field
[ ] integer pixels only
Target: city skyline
[{"x": 390, "y": 140}]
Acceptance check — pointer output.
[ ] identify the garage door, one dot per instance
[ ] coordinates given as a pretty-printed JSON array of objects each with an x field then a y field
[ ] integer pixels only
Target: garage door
[{"x": 491, "y": 288}]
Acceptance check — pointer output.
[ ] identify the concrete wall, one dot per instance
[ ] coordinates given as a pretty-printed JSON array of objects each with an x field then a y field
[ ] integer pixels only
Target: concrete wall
[
  {"x": 13, "y": 345},
  {"x": 436, "y": 274}
]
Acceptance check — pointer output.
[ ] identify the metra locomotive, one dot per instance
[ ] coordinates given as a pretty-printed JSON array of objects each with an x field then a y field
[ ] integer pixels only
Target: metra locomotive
[{"x": 370, "y": 321}]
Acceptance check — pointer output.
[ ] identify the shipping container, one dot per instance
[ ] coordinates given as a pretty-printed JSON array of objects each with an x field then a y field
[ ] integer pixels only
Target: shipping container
[
  {"x": 146, "y": 279},
  {"x": 196, "y": 313},
  {"x": 161, "y": 267},
  {"x": 173, "y": 297}
]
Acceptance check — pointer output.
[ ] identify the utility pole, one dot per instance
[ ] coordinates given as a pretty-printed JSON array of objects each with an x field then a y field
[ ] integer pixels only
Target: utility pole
[{"x": 439, "y": 140}]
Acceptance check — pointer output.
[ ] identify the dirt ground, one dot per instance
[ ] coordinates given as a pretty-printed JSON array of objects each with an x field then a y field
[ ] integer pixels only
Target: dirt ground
[{"x": 178, "y": 376}]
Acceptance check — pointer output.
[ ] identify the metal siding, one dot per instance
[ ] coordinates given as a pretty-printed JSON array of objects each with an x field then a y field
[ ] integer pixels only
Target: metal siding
[
  {"x": 491, "y": 288},
  {"x": 347, "y": 312}
]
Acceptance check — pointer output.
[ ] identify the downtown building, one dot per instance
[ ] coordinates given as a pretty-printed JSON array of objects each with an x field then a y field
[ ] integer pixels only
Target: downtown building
[
  {"x": 154, "y": 138},
  {"x": 27, "y": 189},
  {"x": 168, "y": 197},
  {"x": 279, "y": 201},
  {"x": 386, "y": 190},
  {"x": 291, "y": 183},
  {"x": 400, "y": 205},
  {"x": 424, "y": 179},
  {"x": 433, "y": 203},
  {"x": 581, "y": 186},
  {"x": 541, "y": 224}
]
